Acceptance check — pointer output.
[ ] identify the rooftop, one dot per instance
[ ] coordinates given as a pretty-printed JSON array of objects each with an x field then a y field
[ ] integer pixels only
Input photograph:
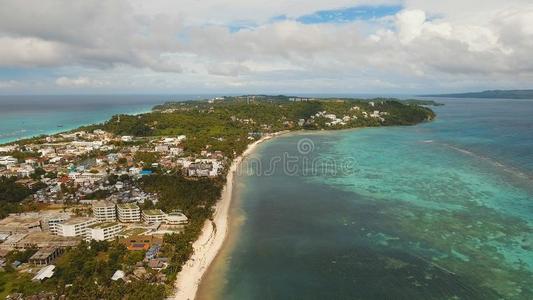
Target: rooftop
[
  {"x": 153, "y": 212},
  {"x": 177, "y": 214},
  {"x": 134, "y": 231},
  {"x": 128, "y": 206},
  {"x": 119, "y": 274},
  {"x": 77, "y": 220},
  {"x": 43, "y": 253},
  {"x": 37, "y": 238},
  {"x": 45, "y": 272},
  {"x": 103, "y": 204}
]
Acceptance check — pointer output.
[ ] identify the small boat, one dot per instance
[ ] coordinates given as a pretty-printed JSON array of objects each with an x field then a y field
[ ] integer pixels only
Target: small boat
[{"x": 60, "y": 126}]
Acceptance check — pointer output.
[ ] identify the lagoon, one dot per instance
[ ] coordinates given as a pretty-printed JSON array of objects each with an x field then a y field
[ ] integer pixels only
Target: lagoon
[{"x": 435, "y": 211}]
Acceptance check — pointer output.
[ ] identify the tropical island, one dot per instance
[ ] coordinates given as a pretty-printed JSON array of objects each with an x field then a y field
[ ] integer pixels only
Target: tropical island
[{"x": 113, "y": 210}]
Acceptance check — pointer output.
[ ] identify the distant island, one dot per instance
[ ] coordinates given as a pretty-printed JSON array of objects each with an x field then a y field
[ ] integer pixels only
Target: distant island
[{"x": 491, "y": 94}]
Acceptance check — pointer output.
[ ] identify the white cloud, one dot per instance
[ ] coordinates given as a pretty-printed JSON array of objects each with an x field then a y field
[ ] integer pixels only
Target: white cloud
[
  {"x": 30, "y": 51},
  {"x": 79, "y": 82},
  {"x": 410, "y": 24},
  {"x": 188, "y": 44}
]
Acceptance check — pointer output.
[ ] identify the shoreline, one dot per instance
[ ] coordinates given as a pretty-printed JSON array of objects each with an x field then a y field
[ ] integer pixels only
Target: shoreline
[
  {"x": 214, "y": 233},
  {"x": 6, "y": 139}
]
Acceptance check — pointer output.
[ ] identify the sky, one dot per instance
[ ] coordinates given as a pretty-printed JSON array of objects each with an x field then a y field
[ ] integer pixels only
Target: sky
[{"x": 257, "y": 46}]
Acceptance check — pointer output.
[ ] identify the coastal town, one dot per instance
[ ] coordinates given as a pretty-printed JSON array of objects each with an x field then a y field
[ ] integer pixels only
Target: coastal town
[
  {"x": 145, "y": 184},
  {"x": 93, "y": 197}
]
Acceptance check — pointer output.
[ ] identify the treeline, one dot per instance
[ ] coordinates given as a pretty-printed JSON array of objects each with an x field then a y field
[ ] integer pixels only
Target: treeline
[
  {"x": 12, "y": 195},
  {"x": 195, "y": 198},
  {"x": 175, "y": 192}
]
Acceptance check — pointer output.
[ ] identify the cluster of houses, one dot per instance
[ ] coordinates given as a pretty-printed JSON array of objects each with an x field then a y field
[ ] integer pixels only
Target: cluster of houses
[
  {"x": 333, "y": 120},
  {"x": 300, "y": 99},
  {"x": 96, "y": 173},
  {"x": 87, "y": 160},
  {"x": 54, "y": 153},
  {"x": 80, "y": 167}
]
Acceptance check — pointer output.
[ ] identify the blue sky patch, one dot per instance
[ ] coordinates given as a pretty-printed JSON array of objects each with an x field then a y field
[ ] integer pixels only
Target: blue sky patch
[
  {"x": 349, "y": 14},
  {"x": 15, "y": 73},
  {"x": 239, "y": 25},
  {"x": 279, "y": 18}
]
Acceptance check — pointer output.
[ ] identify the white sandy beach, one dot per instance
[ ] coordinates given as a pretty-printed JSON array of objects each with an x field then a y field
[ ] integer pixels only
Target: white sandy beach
[{"x": 213, "y": 235}]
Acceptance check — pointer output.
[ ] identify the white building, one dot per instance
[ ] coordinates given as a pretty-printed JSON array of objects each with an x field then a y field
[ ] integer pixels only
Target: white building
[
  {"x": 86, "y": 177},
  {"x": 176, "y": 151},
  {"x": 25, "y": 171},
  {"x": 8, "y": 148},
  {"x": 330, "y": 116},
  {"x": 51, "y": 222},
  {"x": 169, "y": 140},
  {"x": 176, "y": 218},
  {"x": 104, "y": 211},
  {"x": 128, "y": 213},
  {"x": 76, "y": 227},
  {"x": 162, "y": 148},
  {"x": 153, "y": 216},
  {"x": 8, "y": 160},
  {"x": 103, "y": 231},
  {"x": 119, "y": 274}
]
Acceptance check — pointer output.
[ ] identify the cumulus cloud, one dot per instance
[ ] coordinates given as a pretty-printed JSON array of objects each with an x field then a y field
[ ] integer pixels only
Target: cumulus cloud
[
  {"x": 227, "y": 69},
  {"x": 95, "y": 33},
  {"x": 192, "y": 44},
  {"x": 409, "y": 24},
  {"x": 79, "y": 82},
  {"x": 30, "y": 51}
]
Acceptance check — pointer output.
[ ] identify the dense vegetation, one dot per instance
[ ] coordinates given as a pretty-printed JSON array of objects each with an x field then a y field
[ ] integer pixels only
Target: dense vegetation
[
  {"x": 224, "y": 125},
  {"x": 12, "y": 195},
  {"x": 85, "y": 271},
  {"x": 195, "y": 198}
]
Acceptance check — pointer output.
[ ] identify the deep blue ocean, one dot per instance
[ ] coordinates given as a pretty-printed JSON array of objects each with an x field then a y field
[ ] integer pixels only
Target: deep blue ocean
[
  {"x": 24, "y": 116},
  {"x": 441, "y": 210}
]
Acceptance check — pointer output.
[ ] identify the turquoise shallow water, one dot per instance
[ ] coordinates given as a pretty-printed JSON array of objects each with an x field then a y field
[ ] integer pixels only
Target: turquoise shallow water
[
  {"x": 442, "y": 210},
  {"x": 24, "y": 116}
]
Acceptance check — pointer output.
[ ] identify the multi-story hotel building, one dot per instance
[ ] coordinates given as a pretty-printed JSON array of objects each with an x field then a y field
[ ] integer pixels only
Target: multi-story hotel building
[
  {"x": 104, "y": 211},
  {"x": 103, "y": 231},
  {"x": 128, "y": 213},
  {"x": 75, "y": 227},
  {"x": 153, "y": 216}
]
